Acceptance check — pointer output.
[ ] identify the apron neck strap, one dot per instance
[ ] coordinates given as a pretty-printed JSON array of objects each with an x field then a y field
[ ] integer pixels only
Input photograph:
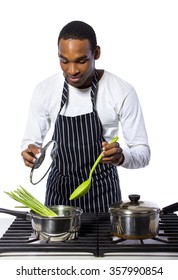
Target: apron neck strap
[
  {"x": 94, "y": 88},
  {"x": 65, "y": 91}
]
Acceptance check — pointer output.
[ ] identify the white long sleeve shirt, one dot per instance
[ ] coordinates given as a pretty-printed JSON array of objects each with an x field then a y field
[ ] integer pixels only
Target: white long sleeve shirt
[{"x": 116, "y": 102}]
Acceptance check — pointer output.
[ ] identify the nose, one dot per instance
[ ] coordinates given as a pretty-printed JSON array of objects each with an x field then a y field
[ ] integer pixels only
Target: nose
[{"x": 72, "y": 68}]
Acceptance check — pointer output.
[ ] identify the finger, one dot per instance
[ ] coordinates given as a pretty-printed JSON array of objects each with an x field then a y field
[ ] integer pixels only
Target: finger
[
  {"x": 33, "y": 149},
  {"x": 110, "y": 157},
  {"x": 28, "y": 158},
  {"x": 115, "y": 159},
  {"x": 104, "y": 144},
  {"x": 108, "y": 146},
  {"x": 111, "y": 152},
  {"x": 29, "y": 164}
]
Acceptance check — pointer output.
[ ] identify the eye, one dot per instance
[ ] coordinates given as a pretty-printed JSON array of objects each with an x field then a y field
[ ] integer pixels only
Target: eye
[
  {"x": 63, "y": 60},
  {"x": 82, "y": 61}
]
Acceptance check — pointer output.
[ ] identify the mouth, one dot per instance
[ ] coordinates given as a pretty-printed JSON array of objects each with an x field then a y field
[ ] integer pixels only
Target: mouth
[{"x": 73, "y": 79}]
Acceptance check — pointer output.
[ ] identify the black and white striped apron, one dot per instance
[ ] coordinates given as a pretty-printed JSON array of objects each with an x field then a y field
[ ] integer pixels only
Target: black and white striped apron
[{"x": 79, "y": 139}]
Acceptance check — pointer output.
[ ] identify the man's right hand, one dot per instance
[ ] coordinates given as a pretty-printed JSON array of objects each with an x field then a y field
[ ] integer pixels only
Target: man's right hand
[{"x": 30, "y": 154}]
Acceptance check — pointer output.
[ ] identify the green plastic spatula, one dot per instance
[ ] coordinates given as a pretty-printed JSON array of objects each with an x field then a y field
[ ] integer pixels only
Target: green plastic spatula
[{"x": 85, "y": 186}]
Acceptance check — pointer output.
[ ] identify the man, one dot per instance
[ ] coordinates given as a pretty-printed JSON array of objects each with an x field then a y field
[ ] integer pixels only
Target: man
[{"x": 86, "y": 105}]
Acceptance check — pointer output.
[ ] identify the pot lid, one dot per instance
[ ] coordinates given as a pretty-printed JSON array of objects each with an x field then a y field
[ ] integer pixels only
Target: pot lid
[
  {"x": 44, "y": 162},
  {"x": 134, "y": 206}
]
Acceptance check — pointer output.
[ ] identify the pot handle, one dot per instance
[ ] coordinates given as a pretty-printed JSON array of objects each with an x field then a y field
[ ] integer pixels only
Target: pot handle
[
  {"x": 170, "y": 209},
  {"x": 18, "y": 214}
]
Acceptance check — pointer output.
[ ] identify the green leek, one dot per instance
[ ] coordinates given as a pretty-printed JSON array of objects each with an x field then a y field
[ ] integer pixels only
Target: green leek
[{"x": 28, "y": 200}]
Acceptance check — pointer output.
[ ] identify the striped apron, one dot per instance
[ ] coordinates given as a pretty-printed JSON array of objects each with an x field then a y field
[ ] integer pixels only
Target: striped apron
[{"x": 79, "y": 139}]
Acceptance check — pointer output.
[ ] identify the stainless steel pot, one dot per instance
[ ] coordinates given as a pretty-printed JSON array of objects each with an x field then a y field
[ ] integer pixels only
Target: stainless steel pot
[
  {"x": 134, "y": 219},
  {"x": 65, "y": 226}
]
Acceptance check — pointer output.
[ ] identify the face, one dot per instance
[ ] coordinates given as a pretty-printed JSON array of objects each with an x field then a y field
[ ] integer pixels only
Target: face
[{"x": 77, "y": 61}]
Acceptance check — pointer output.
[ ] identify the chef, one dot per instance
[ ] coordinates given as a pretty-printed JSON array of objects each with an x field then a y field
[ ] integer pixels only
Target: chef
[{"x": 86, "y": 106}]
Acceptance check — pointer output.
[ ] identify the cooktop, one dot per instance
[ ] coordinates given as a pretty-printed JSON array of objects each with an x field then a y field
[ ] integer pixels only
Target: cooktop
[{"x": 95, "y": 238}]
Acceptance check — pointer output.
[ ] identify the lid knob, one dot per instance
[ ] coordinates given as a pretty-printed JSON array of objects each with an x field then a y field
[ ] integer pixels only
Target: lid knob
[{"x": 134, "y": 198}]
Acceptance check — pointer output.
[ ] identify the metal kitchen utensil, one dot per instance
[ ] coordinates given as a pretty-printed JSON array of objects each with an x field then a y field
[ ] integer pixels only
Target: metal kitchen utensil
[
  {"x": 134, "y": 219},
  {"x": 44, "y": 162},
  {"x": 65, "y": 226},
  {"x": 82, "y": 189}
]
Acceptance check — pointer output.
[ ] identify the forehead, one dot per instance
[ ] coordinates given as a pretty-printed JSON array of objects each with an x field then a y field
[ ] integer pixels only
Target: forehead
[{"x": 74, "y": 47}]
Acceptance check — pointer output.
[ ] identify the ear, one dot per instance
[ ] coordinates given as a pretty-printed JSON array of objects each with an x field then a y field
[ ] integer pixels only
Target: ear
[{"x": 97, "y": 52}]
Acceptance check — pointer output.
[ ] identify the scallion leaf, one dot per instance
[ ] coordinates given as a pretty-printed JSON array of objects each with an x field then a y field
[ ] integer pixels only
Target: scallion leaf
[{"x": 28, "y": 200}]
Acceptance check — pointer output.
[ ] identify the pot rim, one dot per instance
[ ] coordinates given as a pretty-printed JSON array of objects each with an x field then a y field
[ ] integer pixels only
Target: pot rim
[{"x": 75, "y": 212}]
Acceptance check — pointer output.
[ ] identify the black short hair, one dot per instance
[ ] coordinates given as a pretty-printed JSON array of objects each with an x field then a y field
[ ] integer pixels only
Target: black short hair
[{"x": 79, "y": 30}]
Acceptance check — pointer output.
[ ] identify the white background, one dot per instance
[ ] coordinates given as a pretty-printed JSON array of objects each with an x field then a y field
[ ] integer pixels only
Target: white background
[{"x": 138, "y": 40}]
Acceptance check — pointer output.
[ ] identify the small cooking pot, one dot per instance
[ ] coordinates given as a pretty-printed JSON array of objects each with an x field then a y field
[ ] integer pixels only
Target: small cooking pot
[
  {"x": 63, "y": 227},
  {"x": 134, "y": 219}
]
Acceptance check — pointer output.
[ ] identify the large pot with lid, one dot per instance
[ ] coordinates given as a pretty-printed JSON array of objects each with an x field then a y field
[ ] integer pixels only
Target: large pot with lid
[{"x": 134, "y": 219}]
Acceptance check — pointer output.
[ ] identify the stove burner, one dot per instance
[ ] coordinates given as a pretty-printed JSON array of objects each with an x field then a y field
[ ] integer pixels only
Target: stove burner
[
  {"x": 155, "y": 240},
  {"x": 53, "y": 238},
  {"x": 94, "y": 238}
]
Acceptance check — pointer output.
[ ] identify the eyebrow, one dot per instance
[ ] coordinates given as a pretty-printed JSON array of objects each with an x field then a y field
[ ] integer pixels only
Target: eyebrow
[{"x": 77, "y": 59}]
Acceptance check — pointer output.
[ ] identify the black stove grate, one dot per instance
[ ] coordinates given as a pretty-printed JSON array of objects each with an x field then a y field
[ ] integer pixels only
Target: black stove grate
[
  {"x": 19, "y": 238},
  {"x": 165, "y": 242},
  {"x": 94, "y": 238}
]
